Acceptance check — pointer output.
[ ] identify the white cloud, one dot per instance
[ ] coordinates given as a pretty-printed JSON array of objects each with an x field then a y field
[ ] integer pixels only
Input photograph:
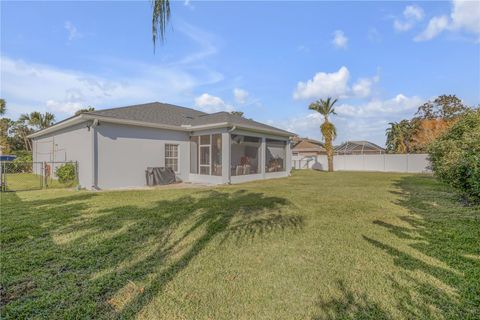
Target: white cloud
[
  {"x": 209, "y": 103},
  {"x": 435, "y": 26},
  {"x": 64, "y": 91},
  {"x": 465, "y": 16},
  {"x": 240, "y": 95},
  {"x": 324, "y": 84},
  {"x": 402, "y": 25},
  {"x": 376, "y": 107},
  {"x": 73, "y": 32},
  {"x": 205, "y": 40},
  {"x": 363, "y": 87},
  {"x": 334, "y": 84},
  {"x": 366, "y": 120},
  {"x": 413, "y": 12},
  {"x": 411, "y": 15},
  {"x": 339, "y": 39}
]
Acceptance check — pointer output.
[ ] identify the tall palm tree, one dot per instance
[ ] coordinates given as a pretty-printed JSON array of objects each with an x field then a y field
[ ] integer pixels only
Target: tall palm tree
[
  {"x": 160, "y": 18},
  {"x": 329, "y": 132},
  {"x": 3, "y": 107}
]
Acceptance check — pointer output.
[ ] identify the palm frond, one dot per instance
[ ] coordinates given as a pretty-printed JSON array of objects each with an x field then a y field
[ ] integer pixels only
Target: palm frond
[{"x": 160, "y": 18}]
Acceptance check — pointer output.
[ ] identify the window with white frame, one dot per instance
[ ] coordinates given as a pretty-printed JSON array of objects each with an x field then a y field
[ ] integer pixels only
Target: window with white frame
[{"x": 171, "y": 156}]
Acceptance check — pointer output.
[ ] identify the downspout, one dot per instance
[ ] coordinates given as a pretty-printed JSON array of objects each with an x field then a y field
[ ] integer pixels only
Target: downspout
[{"x": 93, "y": 130}]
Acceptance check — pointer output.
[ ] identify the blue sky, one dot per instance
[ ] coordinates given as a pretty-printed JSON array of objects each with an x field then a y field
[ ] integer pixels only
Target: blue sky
[{"x": 267, "y": 59}]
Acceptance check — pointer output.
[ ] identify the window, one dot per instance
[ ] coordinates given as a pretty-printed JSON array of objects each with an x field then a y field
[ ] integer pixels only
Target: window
[{"x": 171, "y": 156}]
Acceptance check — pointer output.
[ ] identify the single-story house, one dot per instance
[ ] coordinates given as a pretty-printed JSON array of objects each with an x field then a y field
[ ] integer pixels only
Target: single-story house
[
  {"x": 114, "y": 147},
  {"x": 307, "y": 147},
  {"x": 358, "y": 147}
]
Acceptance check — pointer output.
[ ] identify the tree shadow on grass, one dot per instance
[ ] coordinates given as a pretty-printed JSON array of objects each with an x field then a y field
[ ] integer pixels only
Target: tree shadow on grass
[
  {"x": 114, "y": 263},
  {"x": 349, "y": 305},
  {"x": 441, "y": 228}
]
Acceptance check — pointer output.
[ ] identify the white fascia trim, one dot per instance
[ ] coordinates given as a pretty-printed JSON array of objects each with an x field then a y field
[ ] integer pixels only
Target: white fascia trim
[
  {"x": 62, "y": 124},
  {"x": 272, "y": 132}
]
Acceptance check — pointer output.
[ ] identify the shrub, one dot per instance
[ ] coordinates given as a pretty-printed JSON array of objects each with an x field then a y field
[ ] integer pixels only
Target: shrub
[
  {"x": 66, "y": 173},
  {"x": 455, "y": 156},
  {"x": 22, "y": 163}
]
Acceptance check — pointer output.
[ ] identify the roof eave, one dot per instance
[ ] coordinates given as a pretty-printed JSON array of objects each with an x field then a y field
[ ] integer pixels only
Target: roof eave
[
  {"x": 85, "y": 116},
  {"x": 58, "y": 126}
]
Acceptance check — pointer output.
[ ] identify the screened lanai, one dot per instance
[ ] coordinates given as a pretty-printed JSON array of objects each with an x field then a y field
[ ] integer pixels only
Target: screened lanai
[{"x": 229, "y": 157}]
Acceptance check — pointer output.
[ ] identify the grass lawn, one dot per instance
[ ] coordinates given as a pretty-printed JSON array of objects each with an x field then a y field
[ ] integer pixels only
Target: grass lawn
[
  {"x": 30, "y": 181},
  {"x": 312, "y": 246}
]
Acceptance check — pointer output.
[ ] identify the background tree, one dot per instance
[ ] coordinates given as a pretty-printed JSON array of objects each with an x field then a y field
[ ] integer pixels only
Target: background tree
[
  {"x": 237, "y": 113},
  {"x": 38, "y": 120},
  {"x": 447, "y": 107},
  {"x": 87, "y": 109},
  {"x": 160, "y": 18},
  {"x": 399, "y": 136},
  {"x": 328, "y": 130},
  {"x": 455, "y": 156},
  {"x": 431, "y": 120},
  {"x": 3, "y": 107}
]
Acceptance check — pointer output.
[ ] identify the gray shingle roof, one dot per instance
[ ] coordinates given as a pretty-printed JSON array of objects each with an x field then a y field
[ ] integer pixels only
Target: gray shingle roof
[
  {"x": 362, "y": 146},
  {"x": 172, "y": 115},
  {"x": 154, "y": 112}
]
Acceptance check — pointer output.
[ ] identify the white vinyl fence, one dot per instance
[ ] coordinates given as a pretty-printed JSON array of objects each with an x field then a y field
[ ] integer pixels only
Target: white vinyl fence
[{"x": 412, "y": 163}]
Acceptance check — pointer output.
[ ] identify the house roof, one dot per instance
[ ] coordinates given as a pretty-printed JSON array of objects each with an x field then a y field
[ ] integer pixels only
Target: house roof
[
  {"x": 168, "y": 116},
  {"x": 306, "y": 144},
  {"x": 356, "y": 146},
  {"x": 154, "y": 112}
]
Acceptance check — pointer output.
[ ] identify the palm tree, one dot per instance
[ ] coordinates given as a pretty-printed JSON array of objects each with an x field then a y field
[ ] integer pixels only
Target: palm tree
[
  {"x": 38, "y": 120},
  {"x": 3, "y": 107},
  {"x": 329, "y": 132},
  {"x": 399, "y": 136},
  {"x": 160, "y": 17},
  {"x": 393, "y": 137}
]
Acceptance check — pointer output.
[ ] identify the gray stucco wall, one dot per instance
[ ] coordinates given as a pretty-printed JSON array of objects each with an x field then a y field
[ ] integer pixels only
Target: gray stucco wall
[
  {"x": 69, "y": 144},
  {"x": 113, "y": 155},
  {"x": 123, "y": 153}
]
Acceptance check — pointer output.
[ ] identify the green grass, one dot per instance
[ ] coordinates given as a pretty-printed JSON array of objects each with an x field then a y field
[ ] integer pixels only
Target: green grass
[
  {"x": 313, "y": 246},
  {"x": 30, "y": 181}
]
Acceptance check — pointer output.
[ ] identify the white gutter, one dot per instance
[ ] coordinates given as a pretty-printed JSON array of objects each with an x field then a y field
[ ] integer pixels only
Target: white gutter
[{"x": 93, "y": 132}]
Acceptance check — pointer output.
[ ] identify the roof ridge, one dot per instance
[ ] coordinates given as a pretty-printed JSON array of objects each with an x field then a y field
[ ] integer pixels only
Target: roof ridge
[{"x": 145, "y": 104}]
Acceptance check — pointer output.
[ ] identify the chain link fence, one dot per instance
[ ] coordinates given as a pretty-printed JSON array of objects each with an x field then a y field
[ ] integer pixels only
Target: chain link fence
[{"x": 30, "y": 175}]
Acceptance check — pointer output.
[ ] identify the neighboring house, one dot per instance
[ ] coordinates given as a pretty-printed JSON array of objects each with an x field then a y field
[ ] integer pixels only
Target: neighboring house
[
  {"x": 307, "y": 147},
  {"x": 358, "y": 147},
  {"x": 114, "y": 147}
]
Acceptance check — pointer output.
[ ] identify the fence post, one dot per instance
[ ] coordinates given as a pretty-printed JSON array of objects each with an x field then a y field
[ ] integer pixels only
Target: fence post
[
  {"x": 76, "y": 173},
  {"x": 44, "y": 174}
]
